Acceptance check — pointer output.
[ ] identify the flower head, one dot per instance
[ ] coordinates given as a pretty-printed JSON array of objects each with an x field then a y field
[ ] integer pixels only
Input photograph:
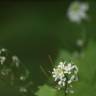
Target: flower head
[
  {"x": 65, "y": 73},
  {"x": 77, "y": 11}
]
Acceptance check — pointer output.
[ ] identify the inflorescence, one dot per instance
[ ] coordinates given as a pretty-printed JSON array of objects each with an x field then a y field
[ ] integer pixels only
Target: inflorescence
[{"x": 64, "y": 75}]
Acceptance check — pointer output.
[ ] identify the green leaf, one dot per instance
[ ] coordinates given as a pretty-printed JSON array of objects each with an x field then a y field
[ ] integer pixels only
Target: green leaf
[{"x": 46, "y": 90}]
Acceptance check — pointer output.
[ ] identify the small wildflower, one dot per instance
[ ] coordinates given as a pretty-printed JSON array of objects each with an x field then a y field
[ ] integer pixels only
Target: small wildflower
[
  {"x": 23, "y": 89},
  {"x": 22, "y": 78},
  {"x": 77, "y": 11},
  {"x": 16, "y": 60},
  {"x": 64, "y": 74},
  {"x": 2, "y": 59},
  {"x": 5, "y": 71},
  {"x": 80, "y": 43},
  {"x": 3, "y": 50}
]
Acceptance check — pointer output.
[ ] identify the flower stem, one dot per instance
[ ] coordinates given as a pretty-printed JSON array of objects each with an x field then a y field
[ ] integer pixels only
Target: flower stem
[
  {"x": 50, "y": 58},
  {"x": 66, "y": 85}
]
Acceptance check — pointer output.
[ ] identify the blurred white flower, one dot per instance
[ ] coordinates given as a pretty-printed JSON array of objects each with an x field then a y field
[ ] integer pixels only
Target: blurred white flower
[
  {"x": 16, "y": 60},
  {"x": 3, "y": 50},
  {"x": 77, "y": 11},
  {"x": 23, "y": 89},
  {"x": 5, "y": 71},
  {"x": 22, "y": 78},
  {"x": 65, "y": 73},
  {"x": 2, "y": 59},
  {"x": 80, "y": 42}
]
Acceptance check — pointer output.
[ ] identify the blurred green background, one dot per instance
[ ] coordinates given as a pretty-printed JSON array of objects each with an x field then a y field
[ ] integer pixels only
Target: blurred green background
[{"x": 34, "y": 30}]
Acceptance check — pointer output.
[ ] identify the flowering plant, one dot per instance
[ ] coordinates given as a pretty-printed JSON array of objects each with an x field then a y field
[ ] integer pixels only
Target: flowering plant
[
  {"x": 64, "y": 75},
  {"x": 77, "y": 11}
]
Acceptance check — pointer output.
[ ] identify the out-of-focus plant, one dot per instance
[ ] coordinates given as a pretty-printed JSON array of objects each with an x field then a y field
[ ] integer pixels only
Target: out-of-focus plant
[
  {"x": 77, "y": 11},
  {"x": 64, "y": 75},
  {"x": 86, "y": 75},
  {"x": 61, "y": 79},
  {"x": 13, "y": 71}
]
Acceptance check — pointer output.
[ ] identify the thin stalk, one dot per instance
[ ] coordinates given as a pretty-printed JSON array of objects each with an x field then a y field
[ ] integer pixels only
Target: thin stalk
[
  {"x": 51, "y": 60},
  {"x": 43, "y": 70},
  {"x": 66, "y": 85}
]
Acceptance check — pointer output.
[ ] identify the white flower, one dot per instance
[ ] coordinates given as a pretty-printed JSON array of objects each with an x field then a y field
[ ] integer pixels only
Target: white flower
[
  {"x": 3, "y": 50},
  {"x": 23, "y": 89},
  {"x": 2, "y": 59},
  {"x": 62, "y": 82},
  {"x": 16, "y": 60},
  {"x": 22, "y": 78},
  {"x": 68, "y": 68},
  {"x": 77, "y": 11},
  {"x": 64, "y": 72},
  {"x": 58, "y": 73},
  {"x": 80, "y": 42}
]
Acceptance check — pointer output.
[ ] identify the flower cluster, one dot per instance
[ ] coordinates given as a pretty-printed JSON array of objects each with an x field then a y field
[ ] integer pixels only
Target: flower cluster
[
  {"x": 12, "y": 70},
  {"x": 64, "y": 74},
  {"x": 77, "y": 11}
]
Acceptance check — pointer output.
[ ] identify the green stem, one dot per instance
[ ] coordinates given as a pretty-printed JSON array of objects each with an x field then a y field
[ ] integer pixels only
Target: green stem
[
  {"x": 44, "y": 72},
  {"x": 66, "y": 85},
  {"x": 51, "y": 60}
]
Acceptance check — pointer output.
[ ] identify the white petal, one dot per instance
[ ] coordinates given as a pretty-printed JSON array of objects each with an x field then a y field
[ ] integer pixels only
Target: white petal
[
  {"x": 72, "y": 77},
  {"x": 69, "y": 81},
  {"x": 83, "y": 15},
  {"x": 61, "y": 63},
  {"x": 63, "y": 83},
  {"x": 54, "y": 69},
  {"x": 69, "y": 65},
  {"x": 84, "y": 6},
  {"x": 76, "y": 68},
  {"x": 54, "y": 75},
  {"x": 74, "y": 17},
  {"x": 59, "y": 83}
]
